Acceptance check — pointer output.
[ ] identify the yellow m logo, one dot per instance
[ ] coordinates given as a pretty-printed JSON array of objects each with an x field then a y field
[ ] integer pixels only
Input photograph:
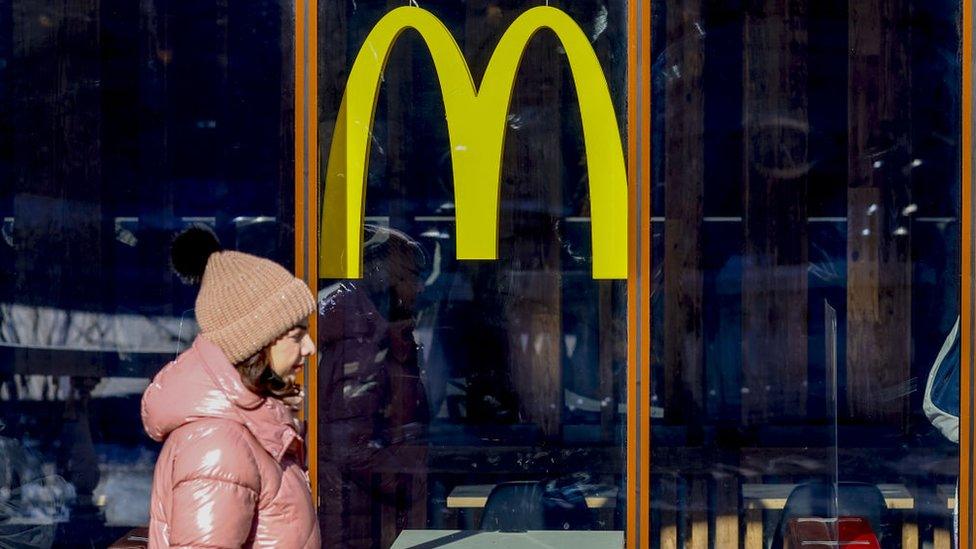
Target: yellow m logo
[{"x": 476, "y": 121}]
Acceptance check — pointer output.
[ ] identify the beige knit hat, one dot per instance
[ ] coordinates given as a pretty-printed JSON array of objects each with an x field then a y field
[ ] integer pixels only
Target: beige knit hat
[{"x": 245, "y": 302}]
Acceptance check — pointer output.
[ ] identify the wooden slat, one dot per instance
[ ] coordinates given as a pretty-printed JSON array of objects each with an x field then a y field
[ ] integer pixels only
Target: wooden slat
[
  {"x": 606, "y": 343},
  {"x": 909, "y": 535},
  {"x": 878, "y": 241},
  {"x": 669, "y": 517},
  {"x": 754, "y": 528},
  {"x": 774, "y": 282},
  {"x": 698, "y": 513},
  {"x": 727, "y": 512},
  {"x": 684, "y": 167}
]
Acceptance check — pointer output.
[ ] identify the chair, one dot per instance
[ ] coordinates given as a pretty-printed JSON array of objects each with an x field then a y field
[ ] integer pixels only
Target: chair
[
  {"x": 816, "y": 499},
  {"x": 536, "y": 505}
]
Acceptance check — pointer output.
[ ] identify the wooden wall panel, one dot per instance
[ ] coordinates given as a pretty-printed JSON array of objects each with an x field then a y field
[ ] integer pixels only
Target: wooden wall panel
[
  {"x": 878, "y": 242},
  {"x": 62, "y": 236},
  {"x": 774, "y": 283},
  {"x": 684, "y": 168},
  {"x": 399, "y": 150},
  {"x": 333, "y": 63},
  {"x": 57, "y": 146},
  {"x": 532, "y": 197}
]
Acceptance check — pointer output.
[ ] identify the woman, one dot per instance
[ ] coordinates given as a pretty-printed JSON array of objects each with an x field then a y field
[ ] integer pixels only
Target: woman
[{"x": 231, "y": 472}]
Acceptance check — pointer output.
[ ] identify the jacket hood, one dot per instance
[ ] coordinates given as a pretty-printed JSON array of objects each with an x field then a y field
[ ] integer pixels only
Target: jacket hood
[
  {"x": 202, "y": 383},
  {"x": 346, "y": 312}
]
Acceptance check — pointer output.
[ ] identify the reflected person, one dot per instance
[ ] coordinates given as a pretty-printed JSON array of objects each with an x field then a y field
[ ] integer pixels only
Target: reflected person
[{"x": 373, "y": 411}]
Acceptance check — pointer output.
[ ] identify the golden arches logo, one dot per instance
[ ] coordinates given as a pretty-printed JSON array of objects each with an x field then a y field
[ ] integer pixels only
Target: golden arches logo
[{"x": 476, "y": 121}]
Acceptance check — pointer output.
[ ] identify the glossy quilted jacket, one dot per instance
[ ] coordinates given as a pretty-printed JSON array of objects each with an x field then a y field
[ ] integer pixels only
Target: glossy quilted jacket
[{"x": 230, "y": 473}]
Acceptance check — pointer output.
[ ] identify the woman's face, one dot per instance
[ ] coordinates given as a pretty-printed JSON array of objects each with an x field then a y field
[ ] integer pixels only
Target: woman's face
[{"x": 290, "y": 351}]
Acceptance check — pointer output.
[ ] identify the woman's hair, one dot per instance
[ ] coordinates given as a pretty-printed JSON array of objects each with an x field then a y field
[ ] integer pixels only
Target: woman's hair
[{"x": 261, "y": 379}]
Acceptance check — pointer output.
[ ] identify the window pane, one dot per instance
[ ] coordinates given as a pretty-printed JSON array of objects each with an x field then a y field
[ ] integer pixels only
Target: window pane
[
  {"x": 443, "y": 382},
  {"x": 120, "y": 124},
  {"x": 807, "y": 259}
]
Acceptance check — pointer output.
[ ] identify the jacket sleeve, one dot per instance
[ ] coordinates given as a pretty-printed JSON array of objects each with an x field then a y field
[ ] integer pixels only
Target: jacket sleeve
[
  {"x": 944, "y": 420},
  {"x": 216, "y": 487}
]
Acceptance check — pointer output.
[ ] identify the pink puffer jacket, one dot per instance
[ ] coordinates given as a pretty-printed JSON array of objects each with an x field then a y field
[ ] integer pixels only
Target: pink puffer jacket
[{"x": 231, "y": 472}]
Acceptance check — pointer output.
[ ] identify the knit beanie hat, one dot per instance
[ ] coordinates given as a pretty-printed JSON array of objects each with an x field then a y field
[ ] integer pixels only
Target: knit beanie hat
[{"x": 245, "y": 302}]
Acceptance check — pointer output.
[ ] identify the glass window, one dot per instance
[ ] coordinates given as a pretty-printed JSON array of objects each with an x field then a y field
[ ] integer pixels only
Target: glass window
[
  {"x": 120, "y": 124},
  {"x": 458, "y": 394},
  {"x": 806, "y": 242}
]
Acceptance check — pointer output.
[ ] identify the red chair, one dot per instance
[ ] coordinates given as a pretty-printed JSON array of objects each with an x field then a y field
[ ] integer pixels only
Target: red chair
[{"x": 820, "y": 533}]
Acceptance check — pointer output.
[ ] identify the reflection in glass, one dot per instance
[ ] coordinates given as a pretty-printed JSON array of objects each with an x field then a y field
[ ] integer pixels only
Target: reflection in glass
[
  {"x": 806, "y": 246},
  {"x": 120, "y": 124},
  {"x": 472, "y": 395}
]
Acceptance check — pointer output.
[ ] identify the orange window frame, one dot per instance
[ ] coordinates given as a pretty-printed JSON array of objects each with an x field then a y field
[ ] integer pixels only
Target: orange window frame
[
  {"x": 638, "y": 440},
  {"x": 306, "y": 204},
  {"x": 968, "y": 305}
]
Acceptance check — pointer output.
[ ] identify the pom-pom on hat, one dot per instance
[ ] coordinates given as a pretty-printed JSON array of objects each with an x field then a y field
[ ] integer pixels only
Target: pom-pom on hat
[{"x": 245, "y": 302}]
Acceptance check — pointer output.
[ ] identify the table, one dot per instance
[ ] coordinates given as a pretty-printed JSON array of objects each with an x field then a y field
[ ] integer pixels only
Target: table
[
  {"x": 475, "y": 496},
  {"x": 476, "y": 539},
  {"x": 759, "y": 497},
  {"x": 601, "y": 498},
  {"x": 137, "y": 538}
]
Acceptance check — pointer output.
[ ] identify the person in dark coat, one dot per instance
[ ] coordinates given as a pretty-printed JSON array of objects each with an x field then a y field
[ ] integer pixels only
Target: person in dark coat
[{"x": 373, "y": 411}]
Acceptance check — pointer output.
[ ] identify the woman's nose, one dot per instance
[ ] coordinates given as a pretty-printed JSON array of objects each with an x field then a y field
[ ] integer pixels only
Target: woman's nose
[{"x": 308, "y": 347}]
